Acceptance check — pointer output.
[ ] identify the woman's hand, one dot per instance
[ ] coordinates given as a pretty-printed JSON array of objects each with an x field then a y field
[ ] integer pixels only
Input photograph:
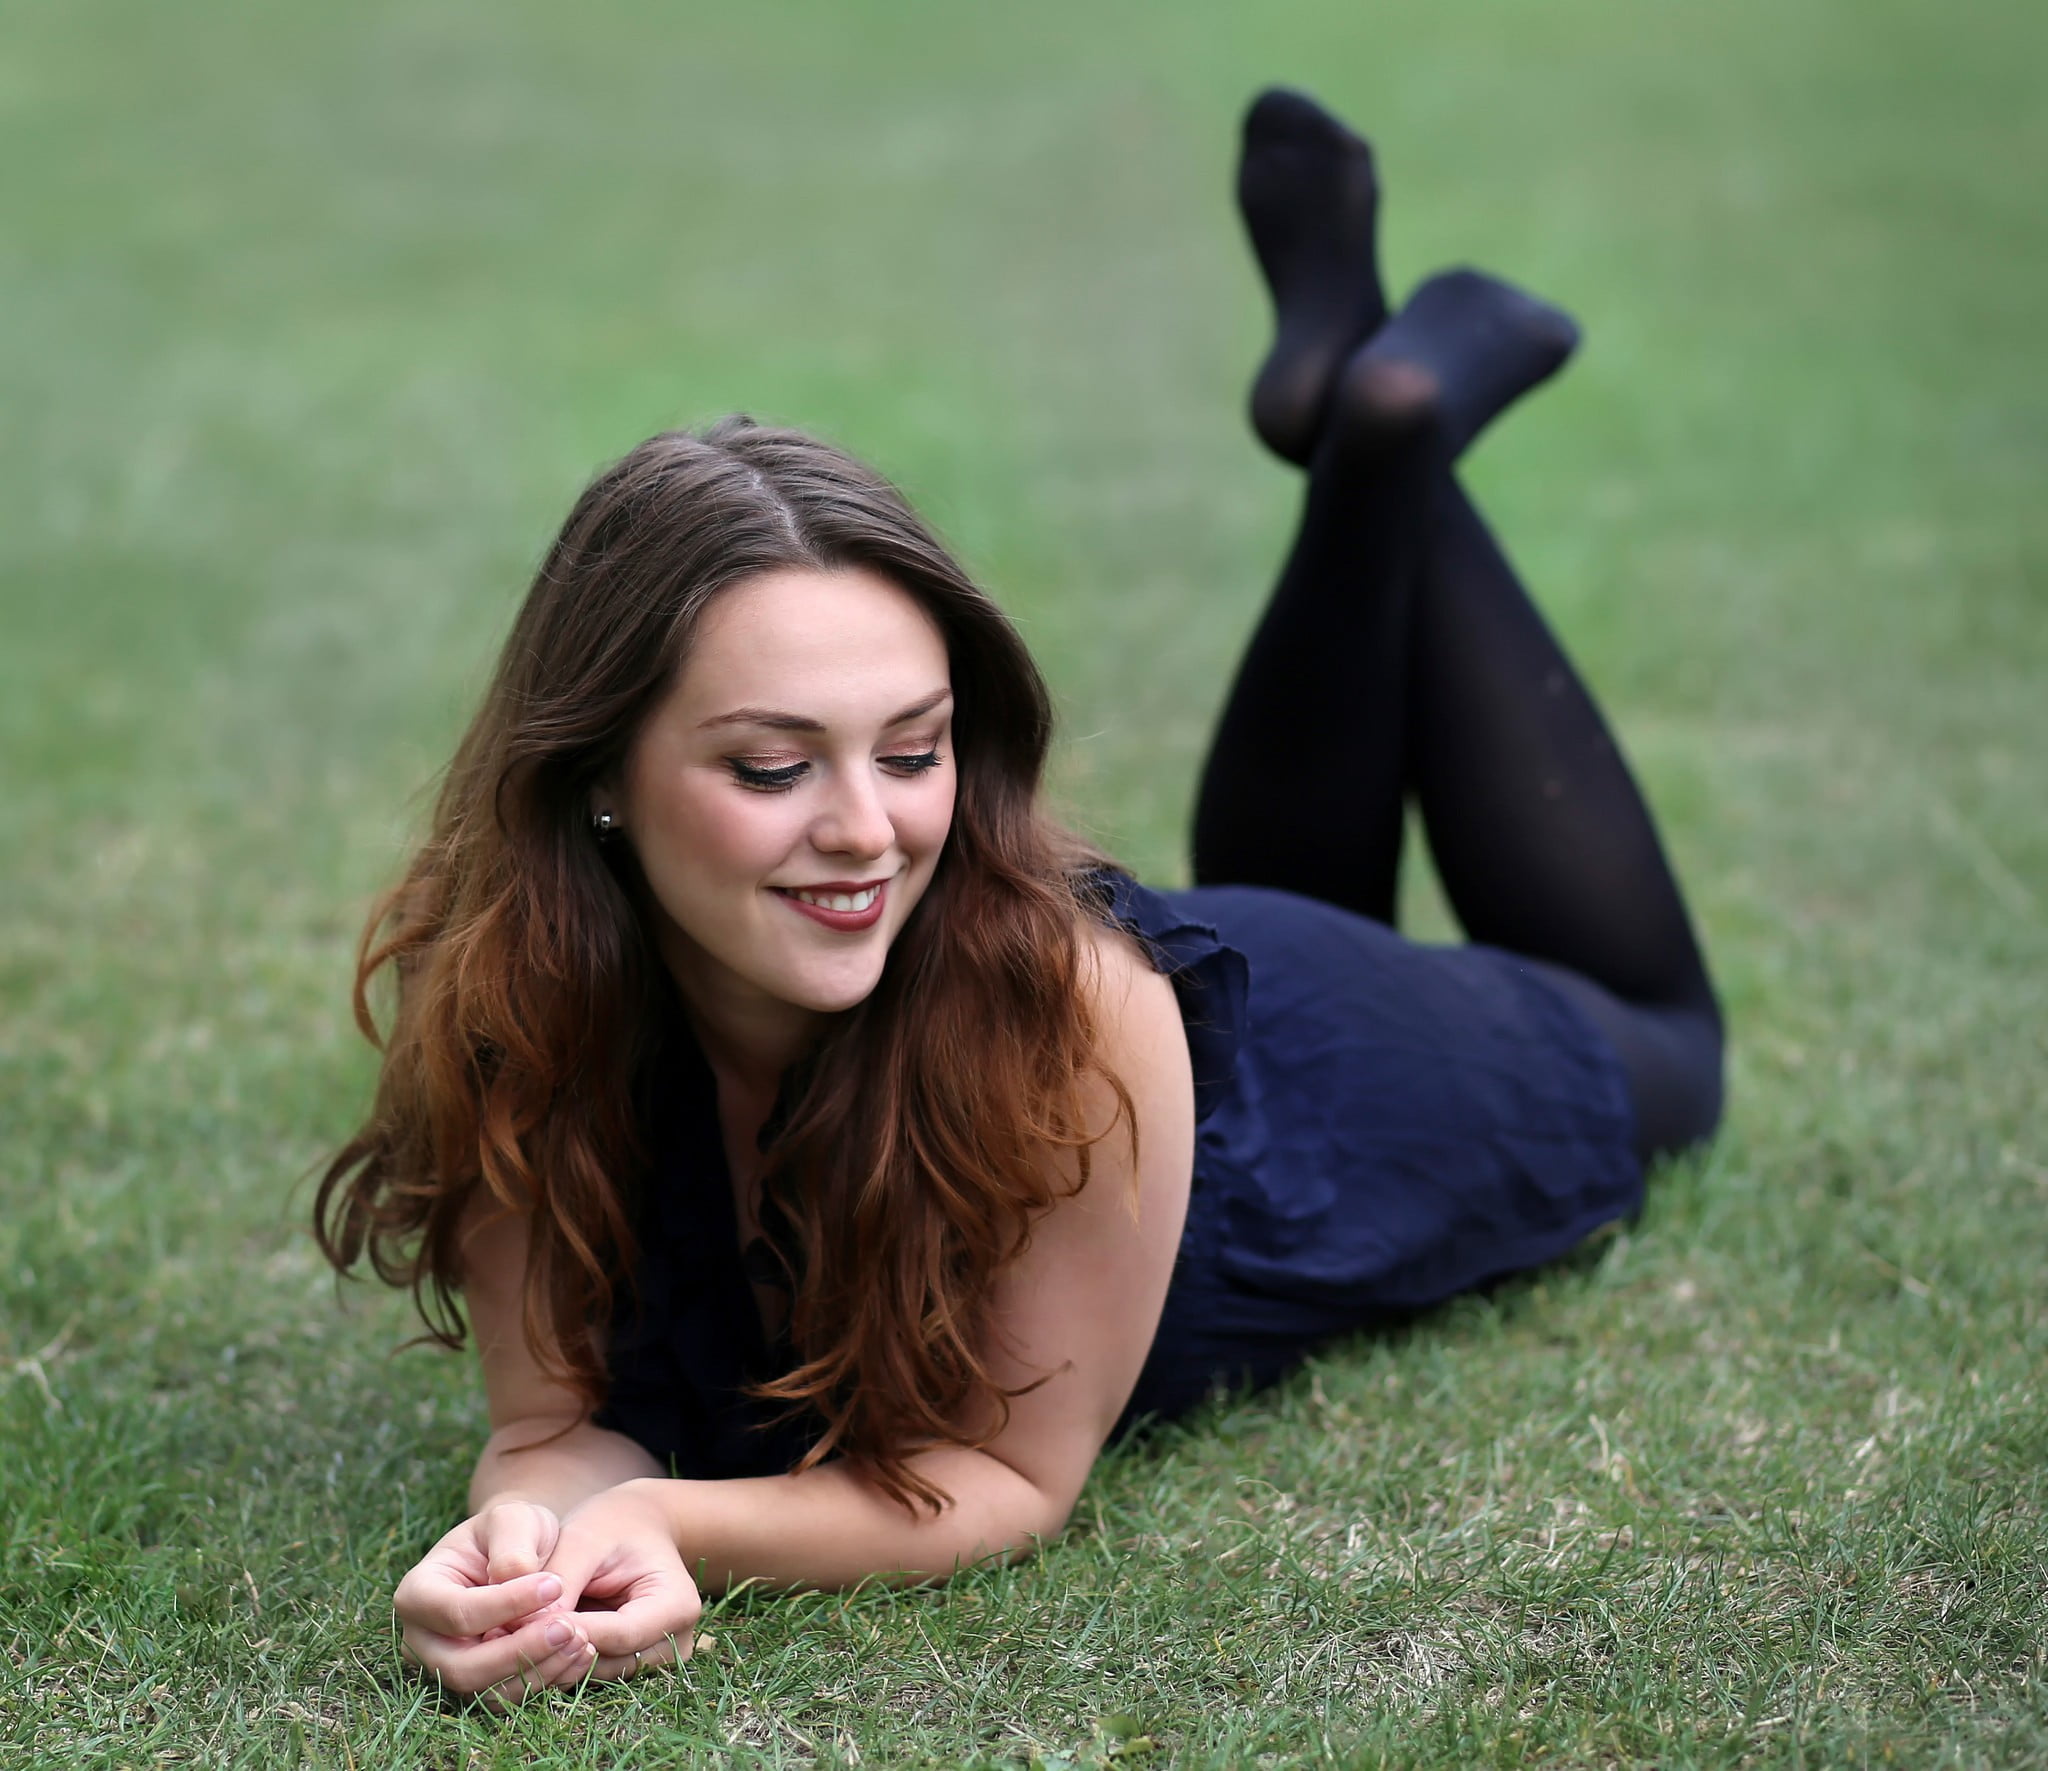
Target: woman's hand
[
  {"x": 623, "y": 1577},
  {"x": 479, "y": 1615}
]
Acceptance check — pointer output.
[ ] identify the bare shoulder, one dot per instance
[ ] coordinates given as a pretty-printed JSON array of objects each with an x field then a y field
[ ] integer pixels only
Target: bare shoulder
[
  {"x": 1077, "y": 1310},
  {"x": 1136, "y": 1014}
]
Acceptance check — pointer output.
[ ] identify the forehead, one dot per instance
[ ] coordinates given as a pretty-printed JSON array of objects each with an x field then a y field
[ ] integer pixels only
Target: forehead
[{"x": 844, "y": 645}]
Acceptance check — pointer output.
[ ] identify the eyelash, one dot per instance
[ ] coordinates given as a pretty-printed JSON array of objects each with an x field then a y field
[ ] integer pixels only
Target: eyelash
[{"x": 781, "y": 780}]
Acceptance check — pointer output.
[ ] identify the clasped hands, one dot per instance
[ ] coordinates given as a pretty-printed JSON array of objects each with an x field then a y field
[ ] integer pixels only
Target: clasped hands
[{"x": 517, "y": 1598}]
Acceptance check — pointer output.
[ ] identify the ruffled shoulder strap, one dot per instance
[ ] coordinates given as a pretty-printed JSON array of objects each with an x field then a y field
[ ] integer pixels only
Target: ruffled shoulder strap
[{"x": 1211, "y": 978}]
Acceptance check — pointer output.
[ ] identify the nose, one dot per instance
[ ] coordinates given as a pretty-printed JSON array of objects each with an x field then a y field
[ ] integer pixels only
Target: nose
[{"x": 852, "y": 820}]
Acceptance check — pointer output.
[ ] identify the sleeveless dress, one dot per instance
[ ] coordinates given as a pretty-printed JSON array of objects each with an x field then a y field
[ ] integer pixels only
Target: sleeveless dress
[{"x": 1379, "y": 1126}]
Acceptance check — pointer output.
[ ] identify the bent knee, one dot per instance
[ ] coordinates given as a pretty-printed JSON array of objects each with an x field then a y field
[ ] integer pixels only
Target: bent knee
[
  {"x": 1671, "y": 1057},
  {"x": 1677, "y": 1075}
]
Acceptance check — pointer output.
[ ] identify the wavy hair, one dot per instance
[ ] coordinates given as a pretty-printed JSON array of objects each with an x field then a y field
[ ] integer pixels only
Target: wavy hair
[{"x": 935, "y": 1120}]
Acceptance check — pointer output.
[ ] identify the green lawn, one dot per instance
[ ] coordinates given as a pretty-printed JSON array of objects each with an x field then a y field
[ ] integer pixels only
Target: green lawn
[{"x": 316, "y": 320}]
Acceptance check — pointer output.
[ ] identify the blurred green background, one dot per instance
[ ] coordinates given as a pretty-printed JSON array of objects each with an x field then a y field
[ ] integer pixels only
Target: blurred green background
[{"x": 316, "y": 320}]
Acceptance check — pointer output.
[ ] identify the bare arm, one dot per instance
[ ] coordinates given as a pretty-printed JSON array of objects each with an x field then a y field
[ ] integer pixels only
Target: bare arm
[
  {"x": 829, "y": 1528},
  {"x": 543, "y": 1446},
  {"x": 1082, "y": 1303}
]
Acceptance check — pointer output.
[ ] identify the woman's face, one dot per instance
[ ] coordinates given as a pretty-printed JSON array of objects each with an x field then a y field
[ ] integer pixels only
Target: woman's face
[{"x": 789, "y": 797}]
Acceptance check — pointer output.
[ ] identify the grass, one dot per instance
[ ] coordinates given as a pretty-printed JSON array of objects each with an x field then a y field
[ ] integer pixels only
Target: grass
[{"x": 318, "y": 317}]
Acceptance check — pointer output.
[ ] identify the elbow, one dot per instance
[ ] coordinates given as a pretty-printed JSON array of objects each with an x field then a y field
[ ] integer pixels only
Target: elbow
[
  {"x": 1018, "y": 1535},
  {"x": 993, "y": 1513},
  {"x": 1049, "y": 1519},
  {"x": 1032, "y": 1514},
  {"x": 1037, "y": 1529}
]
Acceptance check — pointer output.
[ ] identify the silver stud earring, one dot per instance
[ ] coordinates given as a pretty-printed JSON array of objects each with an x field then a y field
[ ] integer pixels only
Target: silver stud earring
[{"x": 605, "y": 825}]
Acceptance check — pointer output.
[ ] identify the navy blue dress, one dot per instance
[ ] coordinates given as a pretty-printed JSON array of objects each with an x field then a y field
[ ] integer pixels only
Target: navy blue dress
[{"x": 1379, "y": 1126}]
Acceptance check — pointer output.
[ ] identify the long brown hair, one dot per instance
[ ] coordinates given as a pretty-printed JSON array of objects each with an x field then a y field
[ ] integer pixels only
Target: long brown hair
[{"x": 936, "y": 1119}]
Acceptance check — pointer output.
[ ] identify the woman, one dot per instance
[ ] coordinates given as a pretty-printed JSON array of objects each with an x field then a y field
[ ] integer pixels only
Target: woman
[{"x": 832, "y": 1155}]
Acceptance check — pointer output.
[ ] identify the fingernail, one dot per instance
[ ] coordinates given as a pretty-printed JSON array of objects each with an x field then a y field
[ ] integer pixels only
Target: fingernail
[
  {"x": 560, "y": 1635},
  {"x": 550, "y": 1588}
]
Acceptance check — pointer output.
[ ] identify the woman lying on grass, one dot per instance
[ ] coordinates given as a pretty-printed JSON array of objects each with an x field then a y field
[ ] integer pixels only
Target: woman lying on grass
[{"x": 831, "y": 1153}]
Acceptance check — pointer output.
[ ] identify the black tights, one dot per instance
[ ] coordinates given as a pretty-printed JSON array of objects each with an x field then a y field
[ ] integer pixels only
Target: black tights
[{"x": 1399, "y": 655}]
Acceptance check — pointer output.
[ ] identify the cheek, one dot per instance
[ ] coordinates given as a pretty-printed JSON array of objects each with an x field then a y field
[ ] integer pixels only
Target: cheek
[
  {"x": 706, "y": 832},
  {"x": 747, "y": 835},
  {"x": 927, "y": 824}
]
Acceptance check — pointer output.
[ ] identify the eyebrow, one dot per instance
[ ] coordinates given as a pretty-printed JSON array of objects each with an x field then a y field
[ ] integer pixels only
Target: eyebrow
[{"x": 778, "y": 721}]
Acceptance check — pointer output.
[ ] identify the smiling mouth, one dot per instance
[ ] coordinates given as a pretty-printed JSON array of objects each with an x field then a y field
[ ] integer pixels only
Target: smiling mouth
[
  {"x": 840, "y": 905},
  {"x": 856, "y": 900}
]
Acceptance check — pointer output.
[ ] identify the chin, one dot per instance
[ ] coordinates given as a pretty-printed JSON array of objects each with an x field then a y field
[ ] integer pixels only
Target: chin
[{"x": 830, "y": 993}]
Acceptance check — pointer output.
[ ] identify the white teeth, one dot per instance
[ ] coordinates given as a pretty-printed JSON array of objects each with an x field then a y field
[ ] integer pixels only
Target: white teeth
[{"x": 842, "y": 901}]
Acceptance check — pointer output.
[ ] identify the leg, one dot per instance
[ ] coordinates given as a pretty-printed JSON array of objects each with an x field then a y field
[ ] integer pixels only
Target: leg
[
  {"x": 1542, "y": 840},
  {"x": 1303, "y": 786},
  {"x": 1309, "y": 726},
  {"x": 1317, "y": 715}
]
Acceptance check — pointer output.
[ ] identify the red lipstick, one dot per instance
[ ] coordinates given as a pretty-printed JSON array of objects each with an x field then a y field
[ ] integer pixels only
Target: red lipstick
[{"x": 846, "y": 922}]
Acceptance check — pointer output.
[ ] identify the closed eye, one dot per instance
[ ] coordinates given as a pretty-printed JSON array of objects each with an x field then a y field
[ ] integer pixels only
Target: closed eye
[
  {"x": 786, "y": 775},
  {"x": 776, "y": 780}
]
